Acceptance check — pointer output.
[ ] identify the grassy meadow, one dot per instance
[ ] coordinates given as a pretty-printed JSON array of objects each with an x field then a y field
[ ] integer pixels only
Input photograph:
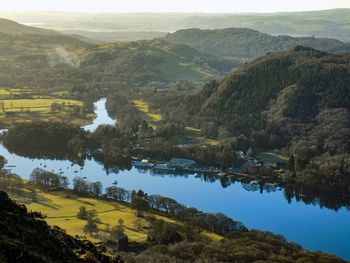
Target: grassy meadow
[
  {"x": 61, "y": 208},
  {"x": 194, "y": 135},
  {"x": 35, "y": 105},
  {"x": 142, "y": 106},
  {"x": 22, "y": 104},
  {"x": 271, "y": 158}
]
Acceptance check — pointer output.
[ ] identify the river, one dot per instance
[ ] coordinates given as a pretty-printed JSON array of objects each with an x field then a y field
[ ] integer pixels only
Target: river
[{"x": 313, "y": 227}]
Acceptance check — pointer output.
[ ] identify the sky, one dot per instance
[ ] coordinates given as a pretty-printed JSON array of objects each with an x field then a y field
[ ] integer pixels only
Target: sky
[{"x": 204, "y": 6}]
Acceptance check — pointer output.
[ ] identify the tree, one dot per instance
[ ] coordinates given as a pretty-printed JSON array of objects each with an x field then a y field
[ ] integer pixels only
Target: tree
[
  {"x": 291, "y": 164},
  {"x": 92, "y": 220},
  {"x": 121, "y": 222},
  {"x": 48, "y": 179},
  {"x": 2, "y": 106},
  {"x": 163, "y": 232},
  {"x": 91, "y": 226},
  {"x": 144, "y": 126},
  {"x": 226, "y": 158},
  {"x": 82, "y": 214},
  {"x": 55, "y": 107},
  {"x": 95, "y": 188},
  {"x": 80, "y": 185},
  {"x": 250, "y": 152},
  {"x": 117, "y": 193},
  {"x": 139, "y": 204},
  {"x": 117, "y": 233},
  {"x": 2, "y": 162},
  {"x": 168, "y": 204}
]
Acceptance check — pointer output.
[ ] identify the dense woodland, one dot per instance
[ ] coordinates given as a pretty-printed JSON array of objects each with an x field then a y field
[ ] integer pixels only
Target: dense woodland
[{"x": 296, "y": 101}]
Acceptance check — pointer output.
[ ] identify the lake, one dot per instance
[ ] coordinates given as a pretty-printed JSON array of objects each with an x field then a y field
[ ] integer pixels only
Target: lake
[
  {"x": 102, "y": 116},
  {"x": 313, "y": 227}
]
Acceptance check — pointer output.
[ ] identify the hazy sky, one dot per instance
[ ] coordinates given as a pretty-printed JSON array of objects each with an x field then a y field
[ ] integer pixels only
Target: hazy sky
[{"x": 207, "y": 6}]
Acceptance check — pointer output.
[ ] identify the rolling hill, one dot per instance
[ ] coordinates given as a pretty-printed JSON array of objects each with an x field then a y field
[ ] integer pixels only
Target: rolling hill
[
  {"x": 14, "y": 28},
  {"x": 245, "y": 44},
  {"x": 297, "y": 100},
  {"x": 18, "y": 39},
  {"x": 50, "y": 60},
  {"x": 145, "y": 61}
]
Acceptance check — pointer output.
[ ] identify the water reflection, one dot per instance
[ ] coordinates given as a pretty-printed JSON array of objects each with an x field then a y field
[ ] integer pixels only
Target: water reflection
[
  {"x": 77, "y": 164},
  {"x": 298, "y": 214}
]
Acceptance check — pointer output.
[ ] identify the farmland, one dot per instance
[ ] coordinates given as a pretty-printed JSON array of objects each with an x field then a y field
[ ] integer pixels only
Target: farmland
[
  {"x": 36, "y": 105},
  {"x": 61, "y": 208},
  {"x": 142, "y": 106},
  {"x": 18, "y": 105}
]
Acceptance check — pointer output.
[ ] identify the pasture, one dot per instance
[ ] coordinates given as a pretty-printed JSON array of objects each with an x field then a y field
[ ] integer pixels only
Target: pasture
[
  {"x": 24, "y": 104},
  {"x": 61, "y": 209}
]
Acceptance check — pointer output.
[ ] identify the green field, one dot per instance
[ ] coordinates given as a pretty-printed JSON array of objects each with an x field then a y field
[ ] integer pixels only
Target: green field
[
  {"x": 61, "y": 209},
  {"x": 271, "y": 158},
  {"x": 194, "y": 135},
  {"x": 142, "y": 106},
  {"x": 23, "y": 104},
  {"x": 6, "y": 92},
  {"x": 35, "y": 105}
]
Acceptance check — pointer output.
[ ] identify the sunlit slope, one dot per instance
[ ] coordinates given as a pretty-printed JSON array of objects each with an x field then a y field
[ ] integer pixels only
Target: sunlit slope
[{"x": 61, "y": 209}]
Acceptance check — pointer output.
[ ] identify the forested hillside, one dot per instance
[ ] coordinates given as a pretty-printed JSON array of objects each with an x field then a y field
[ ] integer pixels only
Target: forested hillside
[
  {"x": 245, "y": 44},
  {"x": 31, "y": 57},
  {"x": 145, "y": 61},
  {"x": 297, "y": 100}
]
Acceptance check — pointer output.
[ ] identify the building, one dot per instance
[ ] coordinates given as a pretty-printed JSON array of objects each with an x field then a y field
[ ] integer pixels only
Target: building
[{"x": 180, "y": 163}]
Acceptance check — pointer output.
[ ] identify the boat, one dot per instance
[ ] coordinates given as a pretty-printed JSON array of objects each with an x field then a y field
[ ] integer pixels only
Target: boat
[
  {"x": 164, "y": 167},
  {"x": 221, "y": 174},
  {"x": 142, "y": 164}
]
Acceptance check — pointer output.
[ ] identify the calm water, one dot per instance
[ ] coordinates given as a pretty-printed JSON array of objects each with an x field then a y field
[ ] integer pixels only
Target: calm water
[
  {"x": 102, "y": 116},
  {"x": 309, "y": 225}
]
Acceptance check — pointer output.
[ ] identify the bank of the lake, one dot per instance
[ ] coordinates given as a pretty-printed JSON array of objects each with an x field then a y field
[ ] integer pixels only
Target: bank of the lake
[{"x": 311, "y": 226}]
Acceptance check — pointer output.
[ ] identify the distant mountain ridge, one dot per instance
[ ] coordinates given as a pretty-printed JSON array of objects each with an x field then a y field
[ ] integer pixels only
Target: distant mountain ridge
[
  {"x": 245, "y": 44},
  {"x": 333, "y": 23},
  {"x": 14, "y": 28}
]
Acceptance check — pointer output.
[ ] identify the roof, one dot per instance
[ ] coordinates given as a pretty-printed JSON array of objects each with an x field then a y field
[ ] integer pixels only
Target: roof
[{"x": 182, "y": 161}]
